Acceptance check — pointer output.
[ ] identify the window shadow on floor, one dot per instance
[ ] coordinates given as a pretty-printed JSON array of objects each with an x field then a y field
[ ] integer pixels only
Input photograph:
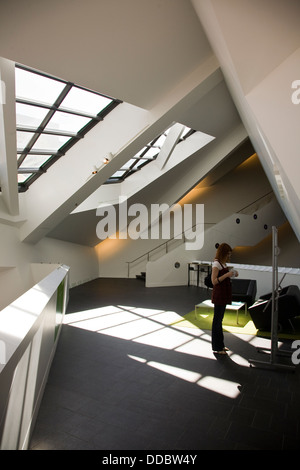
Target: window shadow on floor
[{"x": 126, "y": 378}]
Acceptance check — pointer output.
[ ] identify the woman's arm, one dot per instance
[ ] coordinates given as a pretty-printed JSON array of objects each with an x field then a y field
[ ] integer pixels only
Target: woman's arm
[{"x": 214, "y": 276}]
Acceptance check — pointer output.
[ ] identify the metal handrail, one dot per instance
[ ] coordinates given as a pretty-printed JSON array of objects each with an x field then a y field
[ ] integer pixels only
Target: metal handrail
[{"x": 182, "y": 234}]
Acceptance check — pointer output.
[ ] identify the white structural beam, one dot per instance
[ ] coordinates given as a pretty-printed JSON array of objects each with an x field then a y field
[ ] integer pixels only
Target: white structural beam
[
  {"x": 259, "y": 67},
  {"x": 8, "y": 146},
  {"x": 169, "y": 145}
]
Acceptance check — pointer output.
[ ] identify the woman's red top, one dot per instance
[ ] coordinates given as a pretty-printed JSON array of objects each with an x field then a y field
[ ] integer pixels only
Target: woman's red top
[{"x": 222, "y": 292}]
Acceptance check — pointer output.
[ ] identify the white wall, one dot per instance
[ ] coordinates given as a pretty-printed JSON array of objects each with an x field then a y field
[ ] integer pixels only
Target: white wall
[
  {"x": 113, "y": 255},
  {"x": 163, "y": 272},
  {"x": 225, "y": 198},
  {"x": 16, "y": 258},
  {"x": 282, "y": 136},
  {"x": 82, "y": 260}
]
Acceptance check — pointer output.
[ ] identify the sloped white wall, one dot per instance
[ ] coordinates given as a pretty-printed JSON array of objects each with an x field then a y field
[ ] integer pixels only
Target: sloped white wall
[
  {"x": 238, "y": 194},
  {"x": 114, "y": 254},
  {"x": 248, "y": 232},
  {"x": 259, "y": 66}
]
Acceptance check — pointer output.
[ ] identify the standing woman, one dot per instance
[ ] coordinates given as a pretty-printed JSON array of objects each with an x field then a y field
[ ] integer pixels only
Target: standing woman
[{"x": 221, "y": 294}]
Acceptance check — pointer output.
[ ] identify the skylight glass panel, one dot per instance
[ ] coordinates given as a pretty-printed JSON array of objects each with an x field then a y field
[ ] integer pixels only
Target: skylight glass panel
[
  {"x": 29, "y": 116},
  {"x": 118, "y": 174},
  {"x": 140, "y": 152},
  {"x": 23, "y": 139},
  {"x": 160, "y": 141},
  {"x": 185, "y": 132},
  {"x": 85, "y": 101},
  {"x": 34, "y": 161},
  {"x": 50, "y": 142},
  {"x": 51, "y": 116},
  {"x": 23, "y": 177},
  {"x": 38, "y": 88},
  {"x": 128, "y": 164},
  {"x": 67, "y": 122},
  {"x": 139, "y": 163},
  {"x": 151, "y": 152}
]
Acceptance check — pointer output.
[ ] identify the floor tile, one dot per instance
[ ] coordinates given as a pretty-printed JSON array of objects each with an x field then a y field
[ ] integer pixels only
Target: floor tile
[{"x": 125, "y": 378}]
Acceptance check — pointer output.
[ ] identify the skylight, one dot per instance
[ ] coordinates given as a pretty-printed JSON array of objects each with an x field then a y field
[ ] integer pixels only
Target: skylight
[
  {"x": 52, "y": 115},
  {"x": 146, "y": 155}
]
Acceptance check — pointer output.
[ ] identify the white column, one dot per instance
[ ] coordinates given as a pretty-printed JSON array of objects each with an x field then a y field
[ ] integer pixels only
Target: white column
[{"x": 8, "y": 146}]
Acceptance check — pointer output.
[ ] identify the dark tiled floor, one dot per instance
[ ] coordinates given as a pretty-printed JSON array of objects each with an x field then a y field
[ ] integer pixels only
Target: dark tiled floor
[{"x": 125, "y": 378}]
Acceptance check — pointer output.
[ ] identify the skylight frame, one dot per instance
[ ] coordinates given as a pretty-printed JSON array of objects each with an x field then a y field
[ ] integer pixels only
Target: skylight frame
[
  {"x": 141, "y": 158},
  {"x": 139, "y": 161},
  {"x": 55, "y": 107}
]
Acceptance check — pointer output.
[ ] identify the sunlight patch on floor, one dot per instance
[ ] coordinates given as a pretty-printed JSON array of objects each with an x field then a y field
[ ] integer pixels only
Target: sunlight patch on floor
[
  {"x": 224, "y": 387},
  {"x": 183, "y": 374},
  {"x": 133, "y": 329},
  {"x": 156, "y": 328},
  {"x": 200, "y": 347},
  {"x": 100, "y": 320},
  {"x": 165, "y": 338}
]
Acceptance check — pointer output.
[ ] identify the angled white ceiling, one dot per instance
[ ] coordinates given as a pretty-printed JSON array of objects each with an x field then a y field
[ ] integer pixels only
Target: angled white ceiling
[
  {"x": 134, "y": 50},
  {"x": 139, "y": 51}
]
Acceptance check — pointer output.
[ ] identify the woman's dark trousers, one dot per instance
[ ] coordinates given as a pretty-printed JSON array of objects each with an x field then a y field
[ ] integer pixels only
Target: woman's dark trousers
[{"x": 217, "y": 330}]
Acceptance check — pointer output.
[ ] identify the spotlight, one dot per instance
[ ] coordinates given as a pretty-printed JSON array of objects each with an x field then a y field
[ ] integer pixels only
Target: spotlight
[
  {"x": 108, "y": 158},
  {"x": 105, "y": 161}
]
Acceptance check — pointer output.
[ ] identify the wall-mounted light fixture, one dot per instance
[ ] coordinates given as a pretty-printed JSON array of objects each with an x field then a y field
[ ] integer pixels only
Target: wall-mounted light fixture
[
  {"x": 105, "y": 161},
  {"x": 107, "y": 158}
]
